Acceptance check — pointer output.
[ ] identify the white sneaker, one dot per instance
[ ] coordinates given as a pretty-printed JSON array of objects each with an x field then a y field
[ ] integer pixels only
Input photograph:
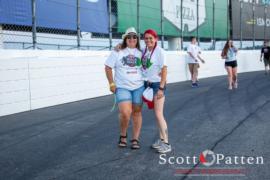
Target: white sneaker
[
  {"x": 157, "y": 144},
  {"x": 235, "y": 85},
  {"x": 164, "y": 148}
]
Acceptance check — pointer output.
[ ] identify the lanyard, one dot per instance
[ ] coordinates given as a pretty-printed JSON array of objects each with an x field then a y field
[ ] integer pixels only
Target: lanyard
[{"x": 151, "y": 52}]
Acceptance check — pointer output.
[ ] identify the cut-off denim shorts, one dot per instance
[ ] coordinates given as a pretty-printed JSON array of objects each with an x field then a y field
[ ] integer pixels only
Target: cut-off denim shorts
[{"x": 134, "y": 96}]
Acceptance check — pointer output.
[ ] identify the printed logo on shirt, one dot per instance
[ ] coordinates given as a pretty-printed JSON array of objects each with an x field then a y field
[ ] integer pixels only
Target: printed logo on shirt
[
  {"x": 131, "y": 61},
  {"x": 146, "y": 63}
]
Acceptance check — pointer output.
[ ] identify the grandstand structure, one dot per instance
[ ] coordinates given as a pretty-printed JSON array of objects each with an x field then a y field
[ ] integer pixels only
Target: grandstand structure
[{"x": 98, "y": 24}]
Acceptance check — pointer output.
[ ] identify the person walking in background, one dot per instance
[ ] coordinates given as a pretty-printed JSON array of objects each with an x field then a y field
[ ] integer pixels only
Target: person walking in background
[
  {"x": 193, "y": 51},
  {"x": 265, "y": 56},
  {"x": 127, "y": 84},
  {"x": 229, "y": 54},
  {"x": 155, "y": 71}
]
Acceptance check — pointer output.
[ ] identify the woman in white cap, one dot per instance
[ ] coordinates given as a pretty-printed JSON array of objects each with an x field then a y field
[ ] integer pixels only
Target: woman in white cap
[{"x": 127, "y": 85}]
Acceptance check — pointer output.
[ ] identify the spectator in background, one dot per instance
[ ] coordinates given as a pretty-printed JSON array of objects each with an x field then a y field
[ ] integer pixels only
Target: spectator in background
[
  {"x": 193, "y": 51},
  {"x": 127, "y": 85},
  {"x": 229, "y": 54},
  {"x": 265, "y": 56}
]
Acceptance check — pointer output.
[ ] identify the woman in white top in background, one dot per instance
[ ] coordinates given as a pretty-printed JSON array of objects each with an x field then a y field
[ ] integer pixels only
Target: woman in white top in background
[
  {"x": 155, "y": 71},
  {"x": 193, "y": 51},
  {"x": 229, "y": 54},
  {"x": 128, "y": 85}
]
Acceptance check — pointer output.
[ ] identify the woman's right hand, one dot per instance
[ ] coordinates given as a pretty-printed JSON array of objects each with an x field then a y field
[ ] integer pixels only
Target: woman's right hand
[
  {"x": 117, "y": 48},
  {"x": 112, "y": 88}
]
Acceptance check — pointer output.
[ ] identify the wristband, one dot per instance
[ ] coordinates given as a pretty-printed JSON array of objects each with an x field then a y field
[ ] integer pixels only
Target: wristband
[
  {"x": 161, "y": 88},
  {"x": 112, "y": 84}
]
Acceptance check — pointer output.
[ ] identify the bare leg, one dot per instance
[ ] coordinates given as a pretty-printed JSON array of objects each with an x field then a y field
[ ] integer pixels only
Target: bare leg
[
  {"x": 230, "y": 76},
  {"x": 125, "y": 109},
  {"x": 195, "y": 72},
  {"x": 161, "y": 122},
  {"x": 234, "y": 73},
  {"x": 137, "y": 121}
]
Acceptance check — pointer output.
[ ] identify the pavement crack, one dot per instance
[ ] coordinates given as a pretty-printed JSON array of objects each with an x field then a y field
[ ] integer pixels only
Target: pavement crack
[{"x": 228, "y": 134}]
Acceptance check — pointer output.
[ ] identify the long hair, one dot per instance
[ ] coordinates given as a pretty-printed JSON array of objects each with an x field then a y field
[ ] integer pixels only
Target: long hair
[
  {"x": 124, "y": 43},
  {"x": 226, "y": 48}
]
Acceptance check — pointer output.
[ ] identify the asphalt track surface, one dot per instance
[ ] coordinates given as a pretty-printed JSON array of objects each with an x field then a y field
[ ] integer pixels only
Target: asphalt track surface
[{"x": 79, "y": 140}]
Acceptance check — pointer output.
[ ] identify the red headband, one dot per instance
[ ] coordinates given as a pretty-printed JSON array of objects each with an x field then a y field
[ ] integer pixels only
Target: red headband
[{"x": 152, "y": 32}]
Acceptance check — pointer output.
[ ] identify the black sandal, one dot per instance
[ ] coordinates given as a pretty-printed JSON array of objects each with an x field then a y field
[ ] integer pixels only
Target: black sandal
[
  {"x": 135, "y": 144},
  {"x": 121, "y": 143}
]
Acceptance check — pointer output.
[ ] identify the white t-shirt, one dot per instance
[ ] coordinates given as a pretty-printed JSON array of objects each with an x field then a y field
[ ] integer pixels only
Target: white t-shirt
[
  {"x": 195, "y": 51},
  {"x": 152, "y": 65},
  {"x": 231, "y": 55},
  {"x": 127, "y": 66}
]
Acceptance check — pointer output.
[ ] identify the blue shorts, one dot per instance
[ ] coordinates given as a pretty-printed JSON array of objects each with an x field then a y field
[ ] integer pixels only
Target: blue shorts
[
  {"x": 155, "y": 86},
  {"x": 134, "y": 96}
]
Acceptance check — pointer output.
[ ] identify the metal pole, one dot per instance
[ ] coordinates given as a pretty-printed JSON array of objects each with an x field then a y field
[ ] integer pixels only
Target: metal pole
[
  {"x": 197, "y": 28},
  {"x": 253, "y": 25},
  {"x": 213, "y": 33},
  {"x": 110, "y": 24},
  {"x": 241, "y": 24},
  {"x": 161, "y": 23},
  {"x": 78, "y": 25},
  {"x": 228, "y": 17},
  {"x": 138, "y": 17},
  {"x": 264, "y": 31},
  {"x": 1, "y": 37},
  {"x": 34, "y": 25},
  {"x": 182, "y": 31}
]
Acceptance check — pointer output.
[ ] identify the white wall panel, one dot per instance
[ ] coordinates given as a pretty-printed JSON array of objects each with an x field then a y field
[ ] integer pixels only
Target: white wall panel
[{"x": 34, "y": 79}]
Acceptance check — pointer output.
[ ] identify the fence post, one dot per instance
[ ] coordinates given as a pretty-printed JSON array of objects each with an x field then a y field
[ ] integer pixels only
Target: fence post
[
  {"x": 1, "y": 37},
  {"x": 241, "y": 24},
  {"x": 197, "y": 28},
  {"x": 138, "y": 18},
  {"x": 264, "y": 31},
  {"x": 161, "y": 24},
  {"x": 213, "y": 33},
  {"x": 182, "y": 31},
  {"x": 78, "y": 25},
  {"x": 228, "y": 18},
  {"x": 110, "y": 24},
  {"x": 34, "y": 25},
  {"x": 253, "y": 24}
]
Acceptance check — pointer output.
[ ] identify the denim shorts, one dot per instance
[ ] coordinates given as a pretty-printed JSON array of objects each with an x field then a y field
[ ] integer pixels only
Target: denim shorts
[
  {"x": 155, "y": 86},
  {"x": 134, "y": 96}
]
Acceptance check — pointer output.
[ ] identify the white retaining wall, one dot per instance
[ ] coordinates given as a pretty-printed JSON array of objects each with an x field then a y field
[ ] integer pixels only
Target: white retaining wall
[{"x": 36, "y": 79}]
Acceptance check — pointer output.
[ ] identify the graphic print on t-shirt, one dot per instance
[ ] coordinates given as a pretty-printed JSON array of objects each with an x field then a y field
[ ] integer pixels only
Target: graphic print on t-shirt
[
  {"x": 131, "y": 61},
  {"x": 146, "y": 61}
]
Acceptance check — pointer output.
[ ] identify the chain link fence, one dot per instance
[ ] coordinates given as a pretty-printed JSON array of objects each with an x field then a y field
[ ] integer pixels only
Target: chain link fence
[{"x": 211, "y": 21}]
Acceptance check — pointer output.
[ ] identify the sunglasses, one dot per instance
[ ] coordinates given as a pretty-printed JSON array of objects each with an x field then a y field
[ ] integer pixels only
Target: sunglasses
[{"x": 132, "y": 37}]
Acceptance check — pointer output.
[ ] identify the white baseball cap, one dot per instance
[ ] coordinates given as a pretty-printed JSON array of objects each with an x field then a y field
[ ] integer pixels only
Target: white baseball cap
[{"x": 130, "y": 30}]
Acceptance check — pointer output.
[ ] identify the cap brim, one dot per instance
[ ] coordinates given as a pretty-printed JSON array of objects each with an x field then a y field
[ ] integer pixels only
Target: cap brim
[{"x": 131, "y": 33}]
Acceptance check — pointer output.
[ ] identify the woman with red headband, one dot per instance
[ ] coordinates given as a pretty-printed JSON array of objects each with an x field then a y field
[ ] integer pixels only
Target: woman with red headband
[{"x": 155, "y": 71}]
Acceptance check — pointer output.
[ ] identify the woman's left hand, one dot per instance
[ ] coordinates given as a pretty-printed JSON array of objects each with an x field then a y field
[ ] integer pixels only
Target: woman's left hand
[{"x": 160, "y": 94}]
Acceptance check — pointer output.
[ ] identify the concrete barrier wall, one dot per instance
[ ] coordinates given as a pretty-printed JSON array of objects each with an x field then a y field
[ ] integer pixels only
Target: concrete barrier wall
[{"x": 36, "y": 79}]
